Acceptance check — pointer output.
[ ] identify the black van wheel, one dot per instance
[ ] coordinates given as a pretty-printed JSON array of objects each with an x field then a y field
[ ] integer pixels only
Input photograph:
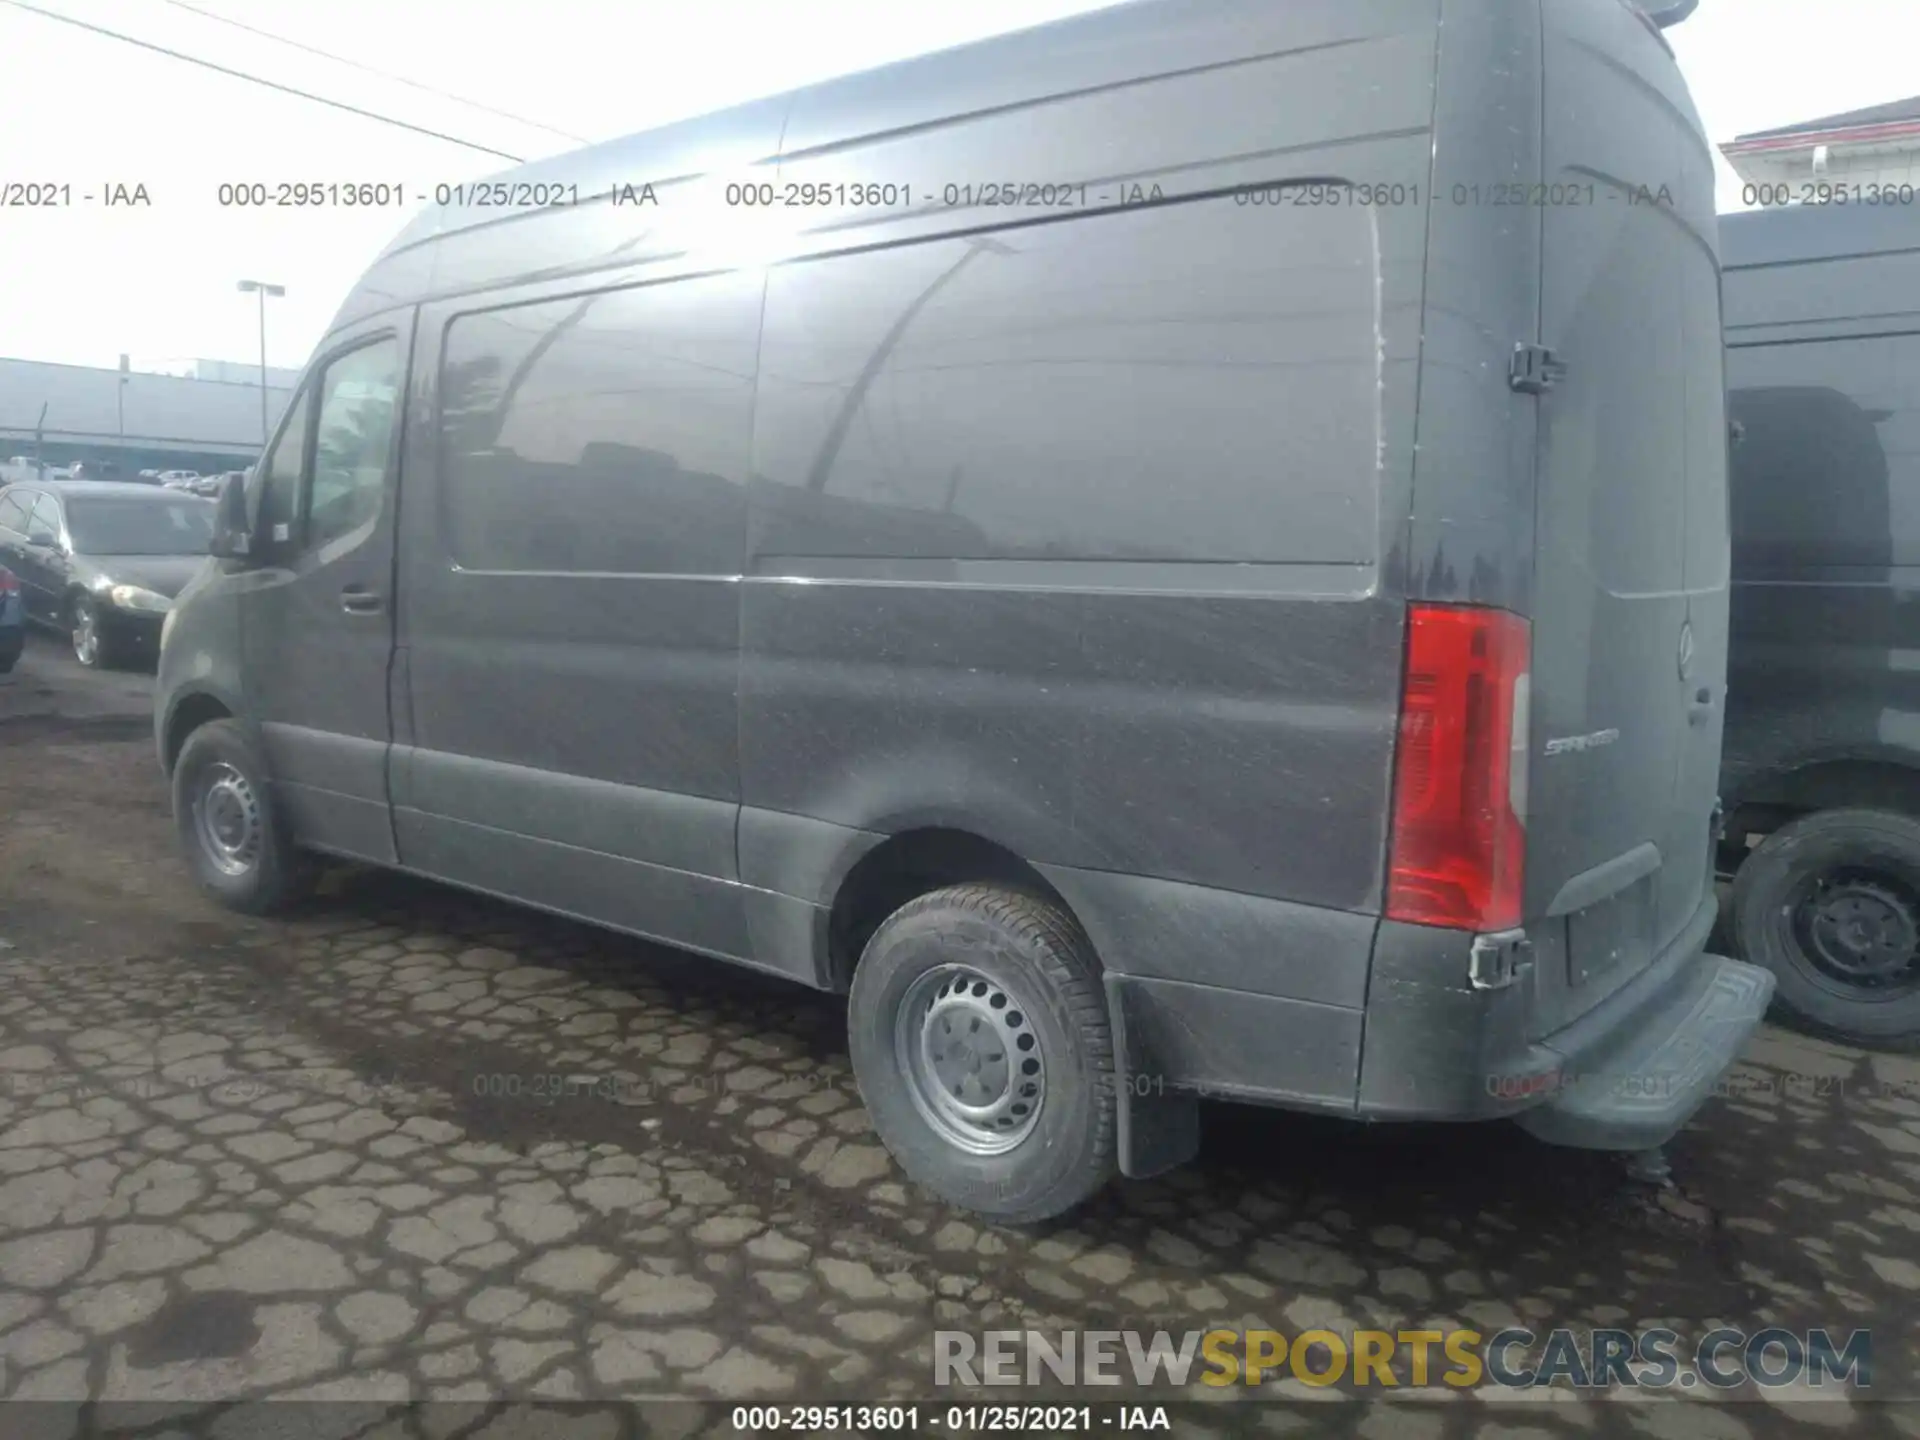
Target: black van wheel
[
  {"x": 1831, "y": 904},
  {"x": 234, "y": 842},
  {"x": 981, "y": 1046}
]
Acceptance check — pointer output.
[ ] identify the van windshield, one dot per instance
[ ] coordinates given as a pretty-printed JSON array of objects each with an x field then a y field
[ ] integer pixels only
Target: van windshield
[{"x": 139, "y": 526}]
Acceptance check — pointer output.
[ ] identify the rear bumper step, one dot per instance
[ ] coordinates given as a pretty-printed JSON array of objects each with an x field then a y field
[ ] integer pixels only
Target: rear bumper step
[{"x": 1638, "y": 1093}]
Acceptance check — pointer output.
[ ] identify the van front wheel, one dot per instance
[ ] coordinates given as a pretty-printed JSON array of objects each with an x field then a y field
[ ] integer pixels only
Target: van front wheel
[
  {"x": 234, "y": 841},
  {"x": 1831, "y": 904},
  {"x": 981, "y": 1046}
]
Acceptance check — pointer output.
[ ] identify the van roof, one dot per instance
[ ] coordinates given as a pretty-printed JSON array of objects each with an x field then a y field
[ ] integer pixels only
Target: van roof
[
  {"x": 1789, "y": 234},
  {"x": 1101, "y": 49},
  {"x": 960, "y": 79}
]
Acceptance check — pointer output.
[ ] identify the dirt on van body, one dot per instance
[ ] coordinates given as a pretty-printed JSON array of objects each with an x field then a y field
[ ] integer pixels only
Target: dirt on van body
[{"x": 413, "y": 1144}]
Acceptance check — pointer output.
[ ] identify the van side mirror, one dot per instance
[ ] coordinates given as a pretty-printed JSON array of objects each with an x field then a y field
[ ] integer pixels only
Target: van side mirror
[
  {"x": 230, "y": 541},
  {"x": 43, "y": 537}
]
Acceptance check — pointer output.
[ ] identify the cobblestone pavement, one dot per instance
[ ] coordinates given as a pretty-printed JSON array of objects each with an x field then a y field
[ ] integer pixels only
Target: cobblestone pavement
[{"x": 412, "y": 1143}]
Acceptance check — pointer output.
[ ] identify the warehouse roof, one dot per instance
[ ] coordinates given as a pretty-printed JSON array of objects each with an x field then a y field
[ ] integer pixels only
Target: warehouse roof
[
  {"x": 82, "y": 403},
  {"x": 1889, "y": 121}
]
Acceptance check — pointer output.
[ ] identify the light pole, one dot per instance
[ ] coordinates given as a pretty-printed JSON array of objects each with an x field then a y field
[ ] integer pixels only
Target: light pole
[{"x": 263, "y": 290}]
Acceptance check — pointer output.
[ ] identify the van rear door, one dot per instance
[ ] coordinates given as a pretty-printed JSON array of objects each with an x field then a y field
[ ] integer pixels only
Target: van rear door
[{"x": 1629, "y": 622}]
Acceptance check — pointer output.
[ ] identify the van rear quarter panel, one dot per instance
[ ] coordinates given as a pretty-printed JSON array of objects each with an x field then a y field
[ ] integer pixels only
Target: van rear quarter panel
[
  {"x": 1072, "y": 527},
  {"x": 1596, "y": 509},
  {"x": 1469, "y": 528}
]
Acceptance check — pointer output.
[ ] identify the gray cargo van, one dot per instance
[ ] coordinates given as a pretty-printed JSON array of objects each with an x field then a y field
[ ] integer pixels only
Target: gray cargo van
[
  {"x": 1179, "y": 552},
  {"x": 1822, "y": 769}
]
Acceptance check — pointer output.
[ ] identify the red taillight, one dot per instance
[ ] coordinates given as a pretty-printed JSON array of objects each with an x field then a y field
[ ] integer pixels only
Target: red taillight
[
  {"x": 9, "y": 583},
  {"x": 1459, "y": 786}
]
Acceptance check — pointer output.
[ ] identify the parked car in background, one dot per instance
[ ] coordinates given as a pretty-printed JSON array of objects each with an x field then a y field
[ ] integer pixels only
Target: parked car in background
[
  {"x": 13, "y": 619},
  {"x": 212, "y": 485},
  {"x": 178, "y": 479},
  {"x": 1822, "y": 752},
  {"x": 1032, "y": 627},
  {"x": 102, "y": 561}
]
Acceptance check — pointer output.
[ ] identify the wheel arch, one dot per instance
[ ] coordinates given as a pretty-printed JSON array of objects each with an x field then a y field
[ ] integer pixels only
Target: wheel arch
[
  {"x": 187, "y": 713},
  {"x": 911, "y": 863},
  {"x": 1868, "y": 779}
]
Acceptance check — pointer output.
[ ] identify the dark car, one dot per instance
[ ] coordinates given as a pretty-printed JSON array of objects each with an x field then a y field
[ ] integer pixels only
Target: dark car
[
  {"x": 13, "y": 620},
  {"x": 1266, "y": 642},
  {"x": 1822, "y": 772},
  {"x": 101, "y": 560}
]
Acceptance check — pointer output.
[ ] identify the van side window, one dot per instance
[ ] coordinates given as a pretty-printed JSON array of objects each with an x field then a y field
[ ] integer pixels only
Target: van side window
[
  {"x": 1829, "y": 470},
  {"x": 1188, "y": 382},
  {"x": 608, "y": 434},
  {"x": 353, "y": 440},
  {"x": 13, "y": 514},
  {"x": 276, "y": 480}
]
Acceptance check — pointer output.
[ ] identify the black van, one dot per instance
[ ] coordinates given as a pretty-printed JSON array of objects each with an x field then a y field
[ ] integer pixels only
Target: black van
[
  {"x": 1822, "y": 769},
  {"x": 1182, "y": 551}
]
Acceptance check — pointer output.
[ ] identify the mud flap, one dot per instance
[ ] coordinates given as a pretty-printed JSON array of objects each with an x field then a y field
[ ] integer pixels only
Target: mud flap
[{"x": 1159, "y": 1130}]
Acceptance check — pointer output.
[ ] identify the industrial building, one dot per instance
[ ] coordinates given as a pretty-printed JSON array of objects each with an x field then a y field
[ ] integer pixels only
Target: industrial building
[
  {"x": 1876, "y": 147},
  {"x": 63, "y": 414}
]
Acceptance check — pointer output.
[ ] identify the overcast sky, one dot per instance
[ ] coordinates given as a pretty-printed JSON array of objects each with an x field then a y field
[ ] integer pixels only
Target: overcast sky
[{"x": 85, "y": 284}]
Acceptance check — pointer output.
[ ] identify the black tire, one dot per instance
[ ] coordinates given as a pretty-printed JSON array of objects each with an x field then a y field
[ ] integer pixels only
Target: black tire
[
  {"x": 275, "y": 874},
  {"x": 1031, "y": 953},
  {"x": 1858, "y": 870},
  {"x": 104, "y": 655}
]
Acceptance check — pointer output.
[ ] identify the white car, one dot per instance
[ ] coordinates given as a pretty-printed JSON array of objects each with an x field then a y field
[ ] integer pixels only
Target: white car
[{"x": 175, "y": 479}]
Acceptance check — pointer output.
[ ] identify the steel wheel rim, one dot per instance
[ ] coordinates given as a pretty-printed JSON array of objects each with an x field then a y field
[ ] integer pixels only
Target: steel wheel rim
[
  {"x": 1859, "y": 930},
  {"x": 226, "y": 819},
  {"x": 971, "y": 1058},
  {"x": 86, "y": 635}
]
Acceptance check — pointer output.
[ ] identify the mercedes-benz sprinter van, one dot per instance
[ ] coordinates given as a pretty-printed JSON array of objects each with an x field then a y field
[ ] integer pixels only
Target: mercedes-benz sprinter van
[
  {"x": 1822, "y": 770},
  {"x": 1179, "y": 552}
]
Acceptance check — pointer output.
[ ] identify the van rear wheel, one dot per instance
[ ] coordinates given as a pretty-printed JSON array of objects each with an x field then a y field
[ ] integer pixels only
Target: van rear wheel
[
  {"x": 1831, "y": 904},
  {"x": 234, "y": 841},
  {"x": 981, "y": 1046}
]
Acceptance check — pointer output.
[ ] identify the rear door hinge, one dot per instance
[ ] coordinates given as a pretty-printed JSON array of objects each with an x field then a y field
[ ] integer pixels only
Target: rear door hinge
[
  {"x": 1496, "y": 961},
  {"x": 1535, "y": 370}
]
